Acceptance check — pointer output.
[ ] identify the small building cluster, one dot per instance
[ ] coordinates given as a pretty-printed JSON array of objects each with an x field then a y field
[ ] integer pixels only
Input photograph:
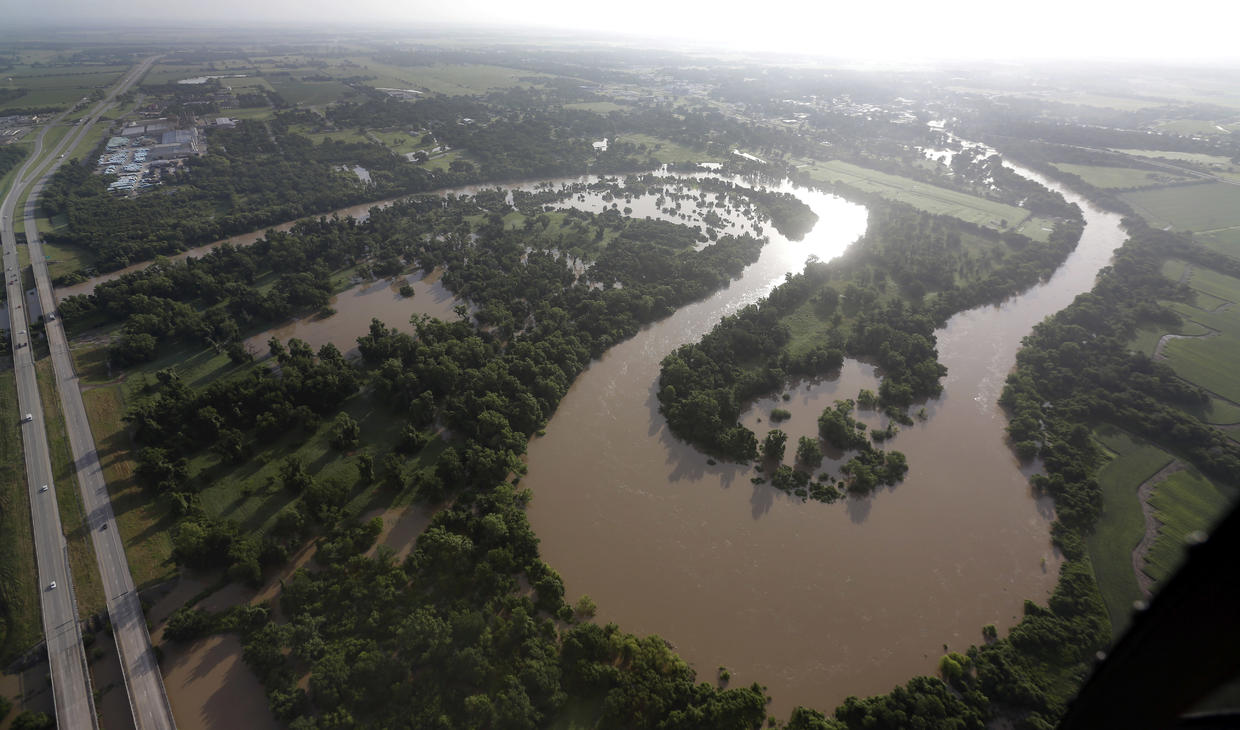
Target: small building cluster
[{"x": 146, "y": 150}]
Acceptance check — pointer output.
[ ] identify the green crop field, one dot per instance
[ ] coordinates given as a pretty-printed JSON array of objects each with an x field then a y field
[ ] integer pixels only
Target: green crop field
[
  {"x": 1120, "y": 177},
  {"x": 1122, "y": 523},
  {"x": 921, "y": 195},
  {"x": 1202, "y": 207},
  {"x": 1185, "y": 503}
]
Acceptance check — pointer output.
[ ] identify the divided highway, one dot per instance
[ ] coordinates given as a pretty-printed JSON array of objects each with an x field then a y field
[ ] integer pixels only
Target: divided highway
[
  {"x": 147, "y": 698},
  {"x": 71, "y": 691}
]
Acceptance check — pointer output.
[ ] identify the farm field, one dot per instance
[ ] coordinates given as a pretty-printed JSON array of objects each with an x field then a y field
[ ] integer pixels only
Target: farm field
[
  {"x": 1204, "y": 207},
  {"x": 1184, "y": 503},
  {"x": 1122, "y": 523},
  {"x": 929, "y": 198},
  {"x": 60, "y": 88},
  {"x": 1120, "y": 177}
]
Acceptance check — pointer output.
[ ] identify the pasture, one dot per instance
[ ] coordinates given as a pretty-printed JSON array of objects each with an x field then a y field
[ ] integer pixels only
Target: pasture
[
  {"x": 1226, "y": 241},
  {"x": 930, "y": 198},
  {"x": 1120, "y": 177},
  {"x": 1204, "y": 207},
  {"x": 1121, "y": 524},
  {"x": 666, "y": 151},
  {"x": 1184, "y": 503}
]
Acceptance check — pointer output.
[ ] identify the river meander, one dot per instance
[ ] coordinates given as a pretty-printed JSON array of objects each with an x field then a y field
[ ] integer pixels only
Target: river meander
[{"x": 815, "y": 601}]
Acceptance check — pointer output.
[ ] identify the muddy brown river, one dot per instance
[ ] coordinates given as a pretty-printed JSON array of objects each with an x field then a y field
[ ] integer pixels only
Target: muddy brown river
[{"x": 815, "y": 601}]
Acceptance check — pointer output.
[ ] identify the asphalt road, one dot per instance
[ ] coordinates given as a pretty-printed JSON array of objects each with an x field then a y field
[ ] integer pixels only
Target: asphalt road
[
  {"x": 147, "y": 698},
  {"x": 71, "y": 691}
]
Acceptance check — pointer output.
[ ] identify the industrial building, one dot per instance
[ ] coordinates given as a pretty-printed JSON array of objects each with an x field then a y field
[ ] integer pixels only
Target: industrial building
[
  {"x": 148, "y": 128},
  {"x": 176, "y": 144}
]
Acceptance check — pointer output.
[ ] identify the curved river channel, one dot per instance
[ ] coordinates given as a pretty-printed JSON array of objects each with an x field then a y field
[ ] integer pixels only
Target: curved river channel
[{"x": 815, "y": 601}]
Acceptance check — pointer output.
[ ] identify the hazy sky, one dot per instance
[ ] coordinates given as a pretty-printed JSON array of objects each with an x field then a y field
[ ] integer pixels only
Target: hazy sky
[{"x": 872, "y": 29}]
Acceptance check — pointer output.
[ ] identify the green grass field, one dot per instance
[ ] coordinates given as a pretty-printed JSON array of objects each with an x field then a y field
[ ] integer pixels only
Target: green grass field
[
  {"x": 310, "y": 93},
  {"x": 1147, "y": 336},
  {"x": 1204, "y": 207},
  {"x": 930, "y": 198},
  {"x": 441, "y": 162},
  {"x": 457, "y": 80},
  {"x": 86, "y": 584},
  {"x": 665, "y": 150},
  {"x": 1120, "y": 177},
  {"x": 1207, "y": 361},
  {"x": 598, "y": 107},
  {"x": 22, "y": 622},
  {"x": 1225, "y": 242},
  {"x": 1195, "y": 157},
  {"x": 402, "y": 143},
  {"x": 1122, "y": 524},
  {"x": 56, "y": 87},
  {"x": 1201, "y": 127},
  {"x": 1184, "y": 503},
  {"x": 1038, "y": 229}
]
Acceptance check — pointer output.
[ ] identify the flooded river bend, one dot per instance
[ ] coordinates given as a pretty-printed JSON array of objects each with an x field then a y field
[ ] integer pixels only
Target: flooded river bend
[{"x": 815, "y": 601}]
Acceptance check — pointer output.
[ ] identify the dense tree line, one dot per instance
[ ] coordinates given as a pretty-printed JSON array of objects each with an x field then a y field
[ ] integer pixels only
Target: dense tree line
[
  {"x": 704, "y": 385},
  {"x": 469, "y": 649},
  {"x": 255, "y": 175}
]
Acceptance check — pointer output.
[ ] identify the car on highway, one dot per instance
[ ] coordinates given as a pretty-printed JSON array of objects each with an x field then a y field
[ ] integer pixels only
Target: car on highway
[
  {"x": 51, "y": 586},
  {"x": 29, "y": 417},
  {"x": 43, "y": 488}
]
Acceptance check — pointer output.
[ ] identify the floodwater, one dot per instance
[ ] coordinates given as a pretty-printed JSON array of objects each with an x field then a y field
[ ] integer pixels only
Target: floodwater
[
  {"x": 815, "y": 601},
  {"x": 356, "y": 306}
]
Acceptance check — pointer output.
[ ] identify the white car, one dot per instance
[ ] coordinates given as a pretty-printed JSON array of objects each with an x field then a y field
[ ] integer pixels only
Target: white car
[
  {"x": 43, "y": 488},
  {"x": 51, "y": 586}
]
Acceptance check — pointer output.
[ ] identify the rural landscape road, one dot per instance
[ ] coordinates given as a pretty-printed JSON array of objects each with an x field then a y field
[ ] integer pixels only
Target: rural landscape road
[{"x": 147, "y": 698}]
